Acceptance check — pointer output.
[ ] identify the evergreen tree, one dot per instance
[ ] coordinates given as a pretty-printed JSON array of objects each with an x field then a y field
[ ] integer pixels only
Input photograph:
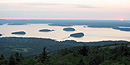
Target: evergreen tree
[
  {"x": 17, "y": 56},
  {"x": 12, "y": 60},
  {"x": 43, "y": 55},
  {"x": 84, "y": 51},
  {"x": 65, "y": 51},
  {"x": 81, "y": 62},
  {"x": 2, "y": 57},
  {"x": 21, "y": 57}
]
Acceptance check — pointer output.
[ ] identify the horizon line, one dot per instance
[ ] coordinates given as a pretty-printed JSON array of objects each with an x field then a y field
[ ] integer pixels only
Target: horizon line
[{"x": 71, "y": 18}]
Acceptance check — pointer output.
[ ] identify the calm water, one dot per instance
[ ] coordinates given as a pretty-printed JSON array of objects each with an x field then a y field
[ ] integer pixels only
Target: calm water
[{"x": 91, "y": 34}]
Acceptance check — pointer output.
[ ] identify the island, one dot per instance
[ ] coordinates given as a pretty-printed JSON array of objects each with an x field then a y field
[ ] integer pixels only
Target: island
[
  {"x": 121, "y": 29},
  {"x": 69, "y": 29},
  {"x": 0, "y": 34},
  {"x": 84, "y": 26},
  {"x": 124, "y": 29},
  {"x": 77, "y": 35},
  {"x": 46, "y": 30},
  {"x": 19, "y": 33}
]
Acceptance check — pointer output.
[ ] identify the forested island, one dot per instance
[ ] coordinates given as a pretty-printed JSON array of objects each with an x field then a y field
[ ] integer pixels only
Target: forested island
[
  {"x": 46, "y": 30},
  {"x": 19, "y": 33},
  {"x": 77, "y": 35},
  {"x": 0, "y": 34},
  {"x": 69, "y": 29}
]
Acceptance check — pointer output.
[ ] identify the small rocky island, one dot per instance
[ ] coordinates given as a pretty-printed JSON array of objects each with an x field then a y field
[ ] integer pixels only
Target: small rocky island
[
  {"x": 46, "y": 30},
  {"x": 19, "y": 33},
  {"x": 69, "y": 29},
  {"x": 84, "y": 26},
  {"x": 77, "y": 35},
  {"x": 0, "y": 34}
]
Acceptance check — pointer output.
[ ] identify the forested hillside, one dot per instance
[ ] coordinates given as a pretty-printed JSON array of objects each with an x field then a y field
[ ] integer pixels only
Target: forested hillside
[
  {"x": 117, "y": 54},
  {"x": 33, "y": 46}
]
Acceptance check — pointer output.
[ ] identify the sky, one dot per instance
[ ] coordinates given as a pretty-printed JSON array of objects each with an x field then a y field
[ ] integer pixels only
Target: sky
[{"x": 65, "y": 9}]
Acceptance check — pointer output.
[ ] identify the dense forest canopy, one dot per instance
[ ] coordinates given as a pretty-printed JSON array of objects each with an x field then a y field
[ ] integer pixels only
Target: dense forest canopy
[
  {"x": 116, "y": 54},
  {"x": 33, "y": 46}
]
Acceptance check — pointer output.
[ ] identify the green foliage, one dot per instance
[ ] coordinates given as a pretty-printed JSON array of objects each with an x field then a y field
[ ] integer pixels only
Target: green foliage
[
  {"x": 31, "y": 61},
  {"x": 12, "y": 60},
  {"x": 84, "y": 51},
  {"x": 71, "y": 59},
  {"x": 86, "y": 60},
  {"x": 33, "y": 46},
  {"x": 94, "y": 55},
  {"x": 3, "y": 62}
]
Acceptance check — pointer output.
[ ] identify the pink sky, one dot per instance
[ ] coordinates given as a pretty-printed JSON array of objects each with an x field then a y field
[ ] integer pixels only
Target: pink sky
[
  {"x": 65, "y": 9},
  {"x": 73, "y": 18}
]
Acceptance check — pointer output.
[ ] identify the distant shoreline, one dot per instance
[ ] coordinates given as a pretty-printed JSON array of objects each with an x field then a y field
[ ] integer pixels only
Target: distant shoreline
[
  {"x": 59, "y": 19},
  {"x": 114, "y": 24},
  {"x": 69, "y": 40}
]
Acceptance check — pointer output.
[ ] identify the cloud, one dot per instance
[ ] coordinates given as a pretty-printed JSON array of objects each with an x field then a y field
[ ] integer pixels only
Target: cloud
[
  {"x": 44, "y": 4},
  {"x": 28, "y": 6},
  {"x": 78, "y": 6},
  {"x": 85, "y": 6}
]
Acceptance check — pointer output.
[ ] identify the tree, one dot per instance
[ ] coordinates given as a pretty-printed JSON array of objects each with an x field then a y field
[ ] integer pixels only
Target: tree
[
  {"x": 30, "y": 61},
  {"x": 12, "y": 60},
  {"x": 3, "y": 61},
  {"x": 21, "y": 57},
  {"x": 83, "y": 51},
  {"x": 2, "y": 57},
  {"x": 17, "y": 56},
  {"x": 43, "y": 55},
  {"x": 81, "y": 62},
  {"x": 65, "y": 51}
]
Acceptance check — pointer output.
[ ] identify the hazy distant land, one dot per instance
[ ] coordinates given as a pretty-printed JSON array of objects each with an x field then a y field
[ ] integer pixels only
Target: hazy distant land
[{"x": 115, "y": 24}]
